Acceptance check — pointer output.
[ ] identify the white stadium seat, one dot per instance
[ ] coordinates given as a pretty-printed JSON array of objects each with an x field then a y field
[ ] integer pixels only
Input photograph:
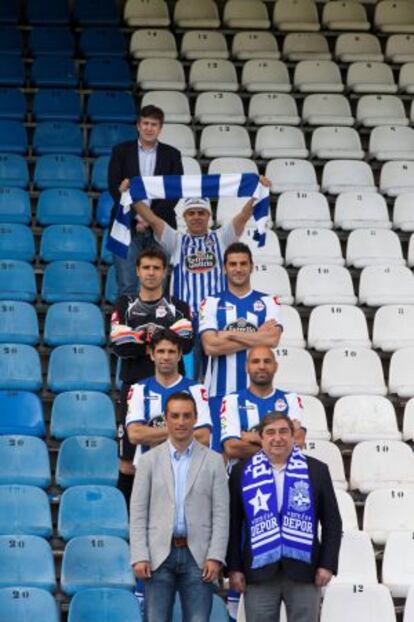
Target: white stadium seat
[
  {"x": 196, "y": 14},
  {"x": 267, "y": 74},
  {"x": 273, "y": 280},
  {"x": 197, "y": 44},
  {"x": 273, "y": 108},
  {"x": 408, "y": 423},
  {"x": 397, "y": 177},
  {"x": 391, "y": 142},
  {"x": 327, "y": 109},
  {"x": 393, "y": 327},
  {"x": 225, "y": 140},
  {"x": 161, "y": 73},
  {"x": 158, "y": 43},
  {"x": 318, "y": 76},
  {"x": 219, "y": 107},
  {"x": 181, "y": 136},
  {"x": 174, "y": 104},
  {"x": 384, "y": 285},
  {"x": 412, "y": 112},
  {"x": 269, "y": 252},
  {"x": 345, "y": 15},
  {"x": 254, "y": 44},
  {"x": 242, "y": 14},
  {"x": 295, "y": 15},
  {"x": 409, "y": 605},
  {"x": 357, "y": 602},
  {"x": 191, "y": 166},
  {"x": 296, "y": 371},
  {"x": 398, "y": 563},
  {"x": 403, "y": 216},
  {"x": 358, "y": 210},
  {"x": 347, "y": 175},
  {"x": 400, "y": 49},
  {"x": 303, "y": 209},
  {"x": 381, "y": 464},
  {"x": 406, "y": 78},
  {"x": 394, "y": 16},
  {"x": 356, "y": 562},
  {"x": 213, "y": 74},
  {"x": 306, "y": 46},
  {"x": 347, "y": 510},
  {"x": 292, "y": 335},
  {"x": 229, "y": 207},
  {"x": 314, "y": 416},
  {"x": 334, "y": 326},
  {"x": 375, "y": 110},
  {"x": 364, "y": 77},
  {"x": 144, "y": 13},
  {"x": 387, "y": 510},
  {"x": 401, "y": 379},
  {"x": 330, "y": 454},
  {"x": 280, "y": 141},
  {"x": 368, "y": 247},
  {"x": 352, "y": 371},
  {"x": 313, "y": 246},
  {"x": 359, "y": 418},
  {"x": 329, "y": 143},
  {"x": 352, "y": 47},
  {"x": 318, "y": 285},
  {"x": 292, "y": 175},
  {"x": 218, "y": 166}
]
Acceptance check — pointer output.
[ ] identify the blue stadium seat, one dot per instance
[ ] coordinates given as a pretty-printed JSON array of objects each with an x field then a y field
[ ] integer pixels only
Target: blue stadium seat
[
  {"x": 13, "y": 137},
  {"x": 24, "y": 510},
  {"x": 19, "y": 367},
  {"x": 77, "y": 413},
  {"x": 103, "y": 209},
  {"x": 101, "y": 561},
  {"x": 64, "y": 206},
  {"x": 87, "y": 460},
  {"x": 56, "y": 105},
  {"x": 46, "y": 40},
  {"x": 104, "y": 604},
  {"x": 12, "y": 72},
  {"x": 18, "y": 322},
  {"x": 14, "y": 206},
  {"x": 98, "y": 41},
  {"x": 83, "y": 511},
  {"x": 74, "y": 322},
  {"x": 57, "y": 137},
  {"x": 96, "y": 12},
  {"x": 24, "y": 460},
  {"x": 12, "y": 104},
  {"x": 65, "y": 281},
  {"x": 106, "y": 255},
  {"x": 21, "y": 412},
  {"x": 28, "y": 604},
  {"x": 16, "y": 242},
  {"x": 11, "y": 41},
  {"x": 9, "y": 12},
  {"x": 67, "y": 242},
  {"x": 59, "y": 171},
  {"x": 17, "y": 281},
  {"x": 47, "y": 12},
  {"x": 26, "y": 561},
  {"x": 14, "y": 171},
  {"x": 78, "y": 367},
  {"x": 111, "y": 288},
  {"x": 105, "y": 135},
  {"x": 218, "y": 610},
  {"x": 99, "y": 173},
  {"x": 107, "y": 73},
  {"x": 111, "y": 107},
  {"x": 61, "y": 72}
]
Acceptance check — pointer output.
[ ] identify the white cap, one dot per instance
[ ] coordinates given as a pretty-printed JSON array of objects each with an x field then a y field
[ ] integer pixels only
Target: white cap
[{"x": 196, "y": 203}]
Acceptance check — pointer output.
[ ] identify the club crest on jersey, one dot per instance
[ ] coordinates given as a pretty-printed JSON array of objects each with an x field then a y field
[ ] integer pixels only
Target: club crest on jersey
[
  {"x": 200, "y": 262},
  {"x": 242, "y": 325},
  {"x": 299, "y": 496},
  {"x": 161, "y": 312},
  {"x": 157, "y": 422},
  {"x": 280, "y": 405},
  {"x": 258, "y": 305}
]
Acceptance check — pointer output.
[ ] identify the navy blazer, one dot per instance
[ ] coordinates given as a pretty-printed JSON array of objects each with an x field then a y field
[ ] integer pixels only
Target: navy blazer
[
  {"x": 124, "y": 164},
  {"x": 324, "y": 553}
]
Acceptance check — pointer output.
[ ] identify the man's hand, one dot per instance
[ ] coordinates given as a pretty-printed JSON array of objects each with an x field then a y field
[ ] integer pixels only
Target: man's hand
[
  {"x": 142, "y": 570},
  {"x": 211, "y": 570},
  {"x": 124, "y": 185},
  {"x": 322, "y": 577},
  {"x": 251, "y": 437},
  {"x": 268, "y": 326},
  {"x": 265, "y": 181},
  {"x": 237, "y": 581}
]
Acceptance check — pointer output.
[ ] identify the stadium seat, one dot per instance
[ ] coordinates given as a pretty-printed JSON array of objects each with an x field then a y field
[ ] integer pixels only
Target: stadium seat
[
  {"x": 13, "y": 137},
  {"x": 397, "y": 568},
  {"x": 239, "y": 14},
  {"x": 273, "y": 108},
  {"x": 303, "y": 209},
  {"x": 83, "y": 511},
  {"x": 394, "y": 16},
  {"x": 14, "y": 206},
  {"x": 388, "y": 510},
  {"x": 24, "y": 460},
  {"x": 104, "y": 136},
  {"x": 19, "y": 367},
  {"x": 44, "y": 11},
  {"x": 18, "y": 322},
  {"x": 329, "y": 143},
  {"x": 347, "y": 175},
  {"x": 397, "y": 178},
  {"x": 363, "y": 77},
  {"x": 356, "y": 371},
  {"x": 359, "y": 418},
  {"x": 62, "y": 73},
  {"x": 165, "y": 74},
  {"x": 400, "y": 48},
  {"x": 291, "y": 175},
  {"x": 87, "y": 460},
  {"x": 314, "y": 414},
  {"x": 102, "y": 41},
  {"x": 209, "y": 75},
  {"x": 78, "y": 367},
  {"x": 60, "y": 171},
  {"x": 229, "y": 165},
  {"x": 99, "y": 179},
  {"x": 393, "y": 327},
  {"x": 77, "y": 413},
  {"x": 219, "y": 107},
  {"x": 200, "y": 14},
  {"x": 44, "y": 40},
  {"x": 408, "y": 423},
  {"x": 273, "y": 280},
  {"x": 265, "y": 75},
  {"x": 367, "y": 247},
  {"x": 113, "y": 604},
  {"x": 56, "y": 105},
  {"x": 111, "y": 107},
  {"x": 376, "y": 110},
  {"x": 280, "y": 141},
  {"x": 319, "y": 285},
  {"x": 269, "y": 252},
  {"x": 400, "y": 380},
  {"x": 106, "y": 255},
  {"x": 292, "y": 335},
  {"x": 101, "y": 561},
  {"x": 27, "y": 561},
  {"x": 57, "y": 137},
  {"x": 181, "y": 136},
  {"x": 147, "y": 43},
  {"x": 203, "y": 44},
  {"x": 228, "y": 207},
  {"x": 358, "y": 602},
  {"x": 383, "y": 284},
  {"x": 330, "y": 454},
  {"x": 381, "y": 464},
  {"x": 346, "y": 15},
  {"x": 65, "y": 281},
  {"x": 11, "y": 41},
  {"x": 356, "y": 562},
  {"x": 327, "y": 109},
  {"x": 16, "y": 242},
  {"x": 317, "y": 76},
  {"x": 313, "y": 246},
  {"x": 296, "y": 371},
  {"x": 21, "y": 413},
  {"x": 358, "y": 210},
  {"x": 12, "y": 72},
  {"x": 299, "y": 15},
  {"x": 93, "y": 12},
  {"x": 351, "y": 47},
  {"x": 104, "y": 209},
  {"x": 141, "y": 13},
  {"x": 12, "y": 104},
  {"x": 10, "y": 12},
  {"x": 29, "y": 604},
  {"x": 347, "y": 510},
  {"x": 64, "y": 206},
  {"x": 391, "y": 143},
  {"x": 254, "y": 44},
  {"x": 332, "y": 326},
  {"x": 225, "y": 140},
  {"x": 74, "y": 322},
  {"x": 24, "y": 510},
  {"x": 17, "y": 281},
  {"x": 409, "y": 605},
  {"x": 111, "y": 288},
  {"x": 107, "y": 73},
  {"x": 175, "y": 105},
  {"x": 403, "y": 217},
  {"x": 299, "y": 46},
  {"x": 14, "y": 171}
]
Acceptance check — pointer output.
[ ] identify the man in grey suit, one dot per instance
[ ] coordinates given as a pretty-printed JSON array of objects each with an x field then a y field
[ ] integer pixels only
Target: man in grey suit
[{"x": 179, "y": 519}]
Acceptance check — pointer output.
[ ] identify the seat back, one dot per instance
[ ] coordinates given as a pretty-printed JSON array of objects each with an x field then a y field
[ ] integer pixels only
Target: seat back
[{"x": 87, "y": 460}]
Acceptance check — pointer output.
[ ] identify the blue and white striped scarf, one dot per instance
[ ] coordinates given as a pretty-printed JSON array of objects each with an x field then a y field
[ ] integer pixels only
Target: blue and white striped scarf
[
  {"x": 274, "y": 535},
  {"x": 187, "y": 186}
]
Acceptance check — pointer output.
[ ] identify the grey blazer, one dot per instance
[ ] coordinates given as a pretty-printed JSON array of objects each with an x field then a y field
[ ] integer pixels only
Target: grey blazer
[{"x": 152, "y": 506}]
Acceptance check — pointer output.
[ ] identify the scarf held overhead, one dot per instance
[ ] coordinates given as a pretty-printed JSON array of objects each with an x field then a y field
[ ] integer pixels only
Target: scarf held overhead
[
  {"x": 273, "y": 534},
  {"x": 186, "y": 187}
]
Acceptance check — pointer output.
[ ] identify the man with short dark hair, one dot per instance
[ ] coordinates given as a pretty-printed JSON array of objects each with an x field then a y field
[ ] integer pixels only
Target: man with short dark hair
[
  {"x": 279, "y": 498},
  {"x": 145, "y": 156}
]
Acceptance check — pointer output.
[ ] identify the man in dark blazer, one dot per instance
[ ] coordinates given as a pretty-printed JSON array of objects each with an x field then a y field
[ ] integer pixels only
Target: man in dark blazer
[
  {"x": 145, "y": 156},
  {"x": 290, "y": 577}
]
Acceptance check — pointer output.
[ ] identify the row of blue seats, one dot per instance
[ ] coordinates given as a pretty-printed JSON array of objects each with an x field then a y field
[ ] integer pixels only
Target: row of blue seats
[
  {"x": 63, "y": 137},
  {"x": 83, "y": 12},
  {"x": 56, "y": 104}
]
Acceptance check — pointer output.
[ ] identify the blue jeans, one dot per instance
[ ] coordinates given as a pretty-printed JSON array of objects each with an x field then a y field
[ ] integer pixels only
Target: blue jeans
[
  {"x": 179, "y": 572},
  {"x": 125, "y": 269}
]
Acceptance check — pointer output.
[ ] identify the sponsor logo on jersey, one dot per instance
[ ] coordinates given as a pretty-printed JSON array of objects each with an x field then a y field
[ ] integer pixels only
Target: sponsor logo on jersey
[
  {"x": 242, "y": 326},
  {"x": 200, "y": 262},
  {"x": 258, "y": 305},
  {"x": 160, "y": 312},
  {"x": 280, "y": 405}
]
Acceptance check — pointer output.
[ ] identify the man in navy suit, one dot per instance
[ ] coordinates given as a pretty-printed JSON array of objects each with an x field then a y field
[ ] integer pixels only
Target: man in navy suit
[{"x": 145, "y": 156}]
